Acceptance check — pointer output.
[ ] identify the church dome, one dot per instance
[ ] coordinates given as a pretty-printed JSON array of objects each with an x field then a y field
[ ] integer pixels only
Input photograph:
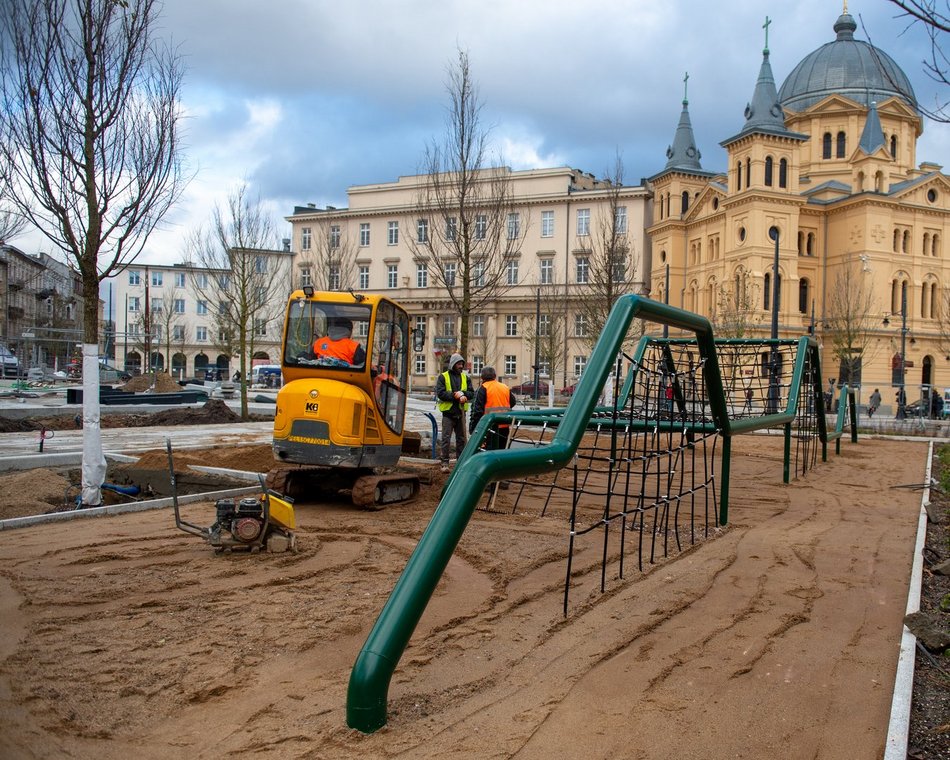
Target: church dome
[{"x": 847, "y": 67}]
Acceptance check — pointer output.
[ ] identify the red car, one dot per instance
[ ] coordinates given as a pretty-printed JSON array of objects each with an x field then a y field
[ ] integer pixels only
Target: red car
[
  {"x": 527, "y": 389},
  {"x": 569, "y": 390}
]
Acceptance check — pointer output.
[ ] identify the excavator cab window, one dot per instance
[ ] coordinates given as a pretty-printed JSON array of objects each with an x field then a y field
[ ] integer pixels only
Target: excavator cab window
[
  {"x": 327, "y": 335},
  {"x": 389, "y": 364}
]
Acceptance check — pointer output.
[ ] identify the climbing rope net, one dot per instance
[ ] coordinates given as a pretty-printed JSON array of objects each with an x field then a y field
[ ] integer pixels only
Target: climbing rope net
[{"x": 642, "y": 485}]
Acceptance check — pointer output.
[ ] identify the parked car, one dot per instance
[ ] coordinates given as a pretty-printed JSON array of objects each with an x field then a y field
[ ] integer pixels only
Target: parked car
[
  {"x": 11, "y": 365},
  {"x": 527, "y": 389},
  {"x": 111, "y": 374},
  {"x": 569, "y": 390}
]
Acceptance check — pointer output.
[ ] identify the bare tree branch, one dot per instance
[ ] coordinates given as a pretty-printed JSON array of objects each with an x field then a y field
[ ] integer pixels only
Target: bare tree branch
[{"x": 469, "y": 225}]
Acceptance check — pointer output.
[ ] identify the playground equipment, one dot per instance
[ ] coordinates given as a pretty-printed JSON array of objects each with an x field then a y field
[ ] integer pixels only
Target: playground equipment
[{"x": 646, "y": 463}]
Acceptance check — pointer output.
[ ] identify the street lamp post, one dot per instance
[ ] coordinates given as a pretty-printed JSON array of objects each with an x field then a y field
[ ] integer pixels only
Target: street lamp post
[
  {"x": 773, "y": 398},
  {"x": 901, "y": 393}
]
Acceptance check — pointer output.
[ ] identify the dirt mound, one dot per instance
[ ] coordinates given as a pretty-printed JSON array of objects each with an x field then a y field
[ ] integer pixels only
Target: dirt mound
[
  {"x": 214, "y": 412},
  {"x": 163, "y": 384}
]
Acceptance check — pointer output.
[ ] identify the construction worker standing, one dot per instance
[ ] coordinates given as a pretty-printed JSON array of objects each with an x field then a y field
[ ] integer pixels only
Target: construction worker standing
[{"x": 492, "y": 396}]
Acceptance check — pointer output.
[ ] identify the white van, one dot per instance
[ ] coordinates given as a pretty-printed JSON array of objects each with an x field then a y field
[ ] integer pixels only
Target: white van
[
  {"x": 266, "y": 376},
  {"x": 11, "y": 365}
]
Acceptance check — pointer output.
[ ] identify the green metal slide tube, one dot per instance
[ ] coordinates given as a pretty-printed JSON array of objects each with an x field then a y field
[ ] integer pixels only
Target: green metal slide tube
[{"x": 374, "y": 667}]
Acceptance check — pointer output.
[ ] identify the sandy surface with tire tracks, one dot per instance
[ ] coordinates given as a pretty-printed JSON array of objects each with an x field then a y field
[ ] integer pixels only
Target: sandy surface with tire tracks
[{"x": 776, "y": 638}]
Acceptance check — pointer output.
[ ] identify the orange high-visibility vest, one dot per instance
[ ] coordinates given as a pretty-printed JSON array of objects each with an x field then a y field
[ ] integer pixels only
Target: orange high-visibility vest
[
  {"x": 344, "y": 348},
  {"x": 497, "y": 398}
]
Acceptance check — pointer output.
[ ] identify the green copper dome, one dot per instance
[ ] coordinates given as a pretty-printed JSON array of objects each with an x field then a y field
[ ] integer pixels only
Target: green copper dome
[{"x": 847, "y": 67}]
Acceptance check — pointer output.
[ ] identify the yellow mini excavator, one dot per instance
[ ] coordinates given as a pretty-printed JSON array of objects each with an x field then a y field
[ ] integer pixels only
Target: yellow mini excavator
[{"x": 340, "y": 415}]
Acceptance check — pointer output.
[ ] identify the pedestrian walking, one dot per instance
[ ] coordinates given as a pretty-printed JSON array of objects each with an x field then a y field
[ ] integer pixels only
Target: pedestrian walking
[{"x": 874, "y": 402}]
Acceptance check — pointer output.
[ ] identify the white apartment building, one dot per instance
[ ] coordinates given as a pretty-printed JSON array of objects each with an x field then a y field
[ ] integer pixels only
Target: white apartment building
[
  {"x": 188, "y": 337},
  {"x": 545, "y": 280}
]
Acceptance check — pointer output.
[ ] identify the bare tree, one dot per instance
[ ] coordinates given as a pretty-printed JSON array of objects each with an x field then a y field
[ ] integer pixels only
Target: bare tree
[
  {"x": 546, "y": 331},
  {"x": 332, "y": 257},
  {"x": 611, "y": 261},
  {"x": 249, "y": 278},
  {"x": 165, "y": 322},
  {"x": 12, "y": 223},
  {"x": 851, "y": 320},
  {"x": 934, "y": 18},
  {"x": 735, "y": 307},
  {"x": 467, "y": 225},
  {"x": 89, "y": 148}
]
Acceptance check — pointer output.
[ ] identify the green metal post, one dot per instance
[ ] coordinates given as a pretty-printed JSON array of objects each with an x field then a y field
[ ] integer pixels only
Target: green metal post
[
  {"x": 724, "y": 480},
  {"x": 786, "y": 459}
]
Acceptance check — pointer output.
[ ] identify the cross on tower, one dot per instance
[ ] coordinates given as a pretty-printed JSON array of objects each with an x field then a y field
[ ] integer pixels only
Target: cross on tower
[
  {"x": 765, "y": 26},
  {"x": 685, "y": 85}
]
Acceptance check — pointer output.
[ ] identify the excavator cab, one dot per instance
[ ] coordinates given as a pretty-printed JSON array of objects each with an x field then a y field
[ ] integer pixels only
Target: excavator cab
[{"x": 346, "y": 370}]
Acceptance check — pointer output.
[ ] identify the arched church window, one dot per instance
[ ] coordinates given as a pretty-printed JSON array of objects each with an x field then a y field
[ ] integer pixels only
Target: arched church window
[
  {"x": 839, "y": 145},
  {"x": 826, "y": 145},
  {"x": 783, "y": 173},
  {"x": 768, "y": 171}
]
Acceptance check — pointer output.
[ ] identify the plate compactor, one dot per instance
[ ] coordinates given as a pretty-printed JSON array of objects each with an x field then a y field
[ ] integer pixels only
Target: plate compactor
[{"x": 249, "y": 524}]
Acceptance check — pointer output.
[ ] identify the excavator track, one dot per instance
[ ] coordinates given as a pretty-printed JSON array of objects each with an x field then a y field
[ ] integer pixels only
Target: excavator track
[{"x": 376, "y": 491}]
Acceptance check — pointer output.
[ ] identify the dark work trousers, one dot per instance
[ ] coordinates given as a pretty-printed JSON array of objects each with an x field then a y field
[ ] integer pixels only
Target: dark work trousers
[{"x": 452, "y": 425}]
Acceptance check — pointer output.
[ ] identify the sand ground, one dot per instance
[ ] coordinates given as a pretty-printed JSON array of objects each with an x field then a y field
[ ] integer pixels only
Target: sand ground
[{"x": 776, "y": 638}]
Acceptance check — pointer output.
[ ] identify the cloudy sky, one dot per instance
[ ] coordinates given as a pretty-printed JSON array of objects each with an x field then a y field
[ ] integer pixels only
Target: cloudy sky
[{"x": 304, "y": 98}]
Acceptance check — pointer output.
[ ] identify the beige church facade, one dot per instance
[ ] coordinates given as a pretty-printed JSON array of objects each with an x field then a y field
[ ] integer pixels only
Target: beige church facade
[{"x": 829, "y": 161}]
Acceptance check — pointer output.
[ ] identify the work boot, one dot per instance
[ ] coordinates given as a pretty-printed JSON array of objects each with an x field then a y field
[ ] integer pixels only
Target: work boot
[{"x": 445, "y": 467}]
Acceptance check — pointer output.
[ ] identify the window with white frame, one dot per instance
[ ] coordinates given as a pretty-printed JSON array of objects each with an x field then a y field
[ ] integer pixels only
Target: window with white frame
[
  {"x": 333, "y": 279},
  {"x": 201, "y": 307},
  {"x": 260, "y": 327},
  {"x": 514, "y": 225},
  {"x": 364, "y": 277},
  {"x": 179, "y": 306},
  {"x": 478, "y": 325},
  {"x": 156, "y": 332},
  {"x": 451, "y": 228},
  {"x": 306, "y": 277},
  {"x": 620, "y": 220},
  {"x": 511, "y": 364},
  {"x": 547, "y": 224},
  {"x": 158, "y": 305},
  {"x": 544, "y": 325},
  {"x": 547, "y": 271},
  {"x": 620, "y": 268},
  {"x": 583, "y": 222},
  {"x": 422, "y": 275},
  {"x": 222, "y": 308},
  {"x": 364, "y": 234},
  {"x": 478, "y": 274},
  {"x": 135, "y": 278},
  {"x": 306, "y": 237},
  {"x": 135, "y": 331},
  {"x": 201, "y": 279},
  {"x": 393, "y": 233},
  {"x": 544, "y": 368},
  {"x": 334, "y": 236},
  {"x": 580, "y": 325},
  {"x": 179, "y": 279},
  {"x": 361, "y": 329},
  {"x": 135, "y": 303},
  {"x": 157, "y": 279},
  {"x": 580, "y": 363},
  {"x": 201, "y": 333},
  {"x": 260, "y": 264},
  {"x": 419, "y": 366},
  {"x": 582, "y": 269},
  {"x": 421, "y": 322},
  {"x": 478, "y": 364},
  {"x": 450, "y": 270},
  {"x": 224, "y": 335},
  {"x": 178, "y": 333},
  {"x": 511, "y": 271},
  {"x": 511, "y": 325},
  {"x": 481, "y": 226},
  {"x": 224, "y": 280},
  {"x": 448, "y": 326},
  {"x": 422, "y": 230},
  {"x": 392, "y": 275}
]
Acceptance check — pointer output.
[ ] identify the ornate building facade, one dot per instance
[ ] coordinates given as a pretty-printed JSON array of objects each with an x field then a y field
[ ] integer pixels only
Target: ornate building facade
[{"x": 828, "y": 162}]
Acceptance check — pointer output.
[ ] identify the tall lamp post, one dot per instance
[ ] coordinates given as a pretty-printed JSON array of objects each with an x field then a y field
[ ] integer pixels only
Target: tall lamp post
[
  {"x": 773, "y": 398},
  {"x": 901, "y": 394},
  {"x": 537, "y": 345}
]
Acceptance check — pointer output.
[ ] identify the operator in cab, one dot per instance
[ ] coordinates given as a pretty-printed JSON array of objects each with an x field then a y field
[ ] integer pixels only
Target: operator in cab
[{"x": 338, "y": 344}]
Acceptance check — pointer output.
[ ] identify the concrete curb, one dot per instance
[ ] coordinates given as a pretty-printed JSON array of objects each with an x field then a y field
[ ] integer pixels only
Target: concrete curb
[
  {"x": 898, "y": 729},
  {"x": 120, "y": 509}
]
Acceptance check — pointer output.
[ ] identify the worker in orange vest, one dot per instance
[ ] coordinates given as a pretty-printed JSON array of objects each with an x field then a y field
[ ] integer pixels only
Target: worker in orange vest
[
  {"x": 492, "y": 396},
  {"x": 339, "y": 345}
]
